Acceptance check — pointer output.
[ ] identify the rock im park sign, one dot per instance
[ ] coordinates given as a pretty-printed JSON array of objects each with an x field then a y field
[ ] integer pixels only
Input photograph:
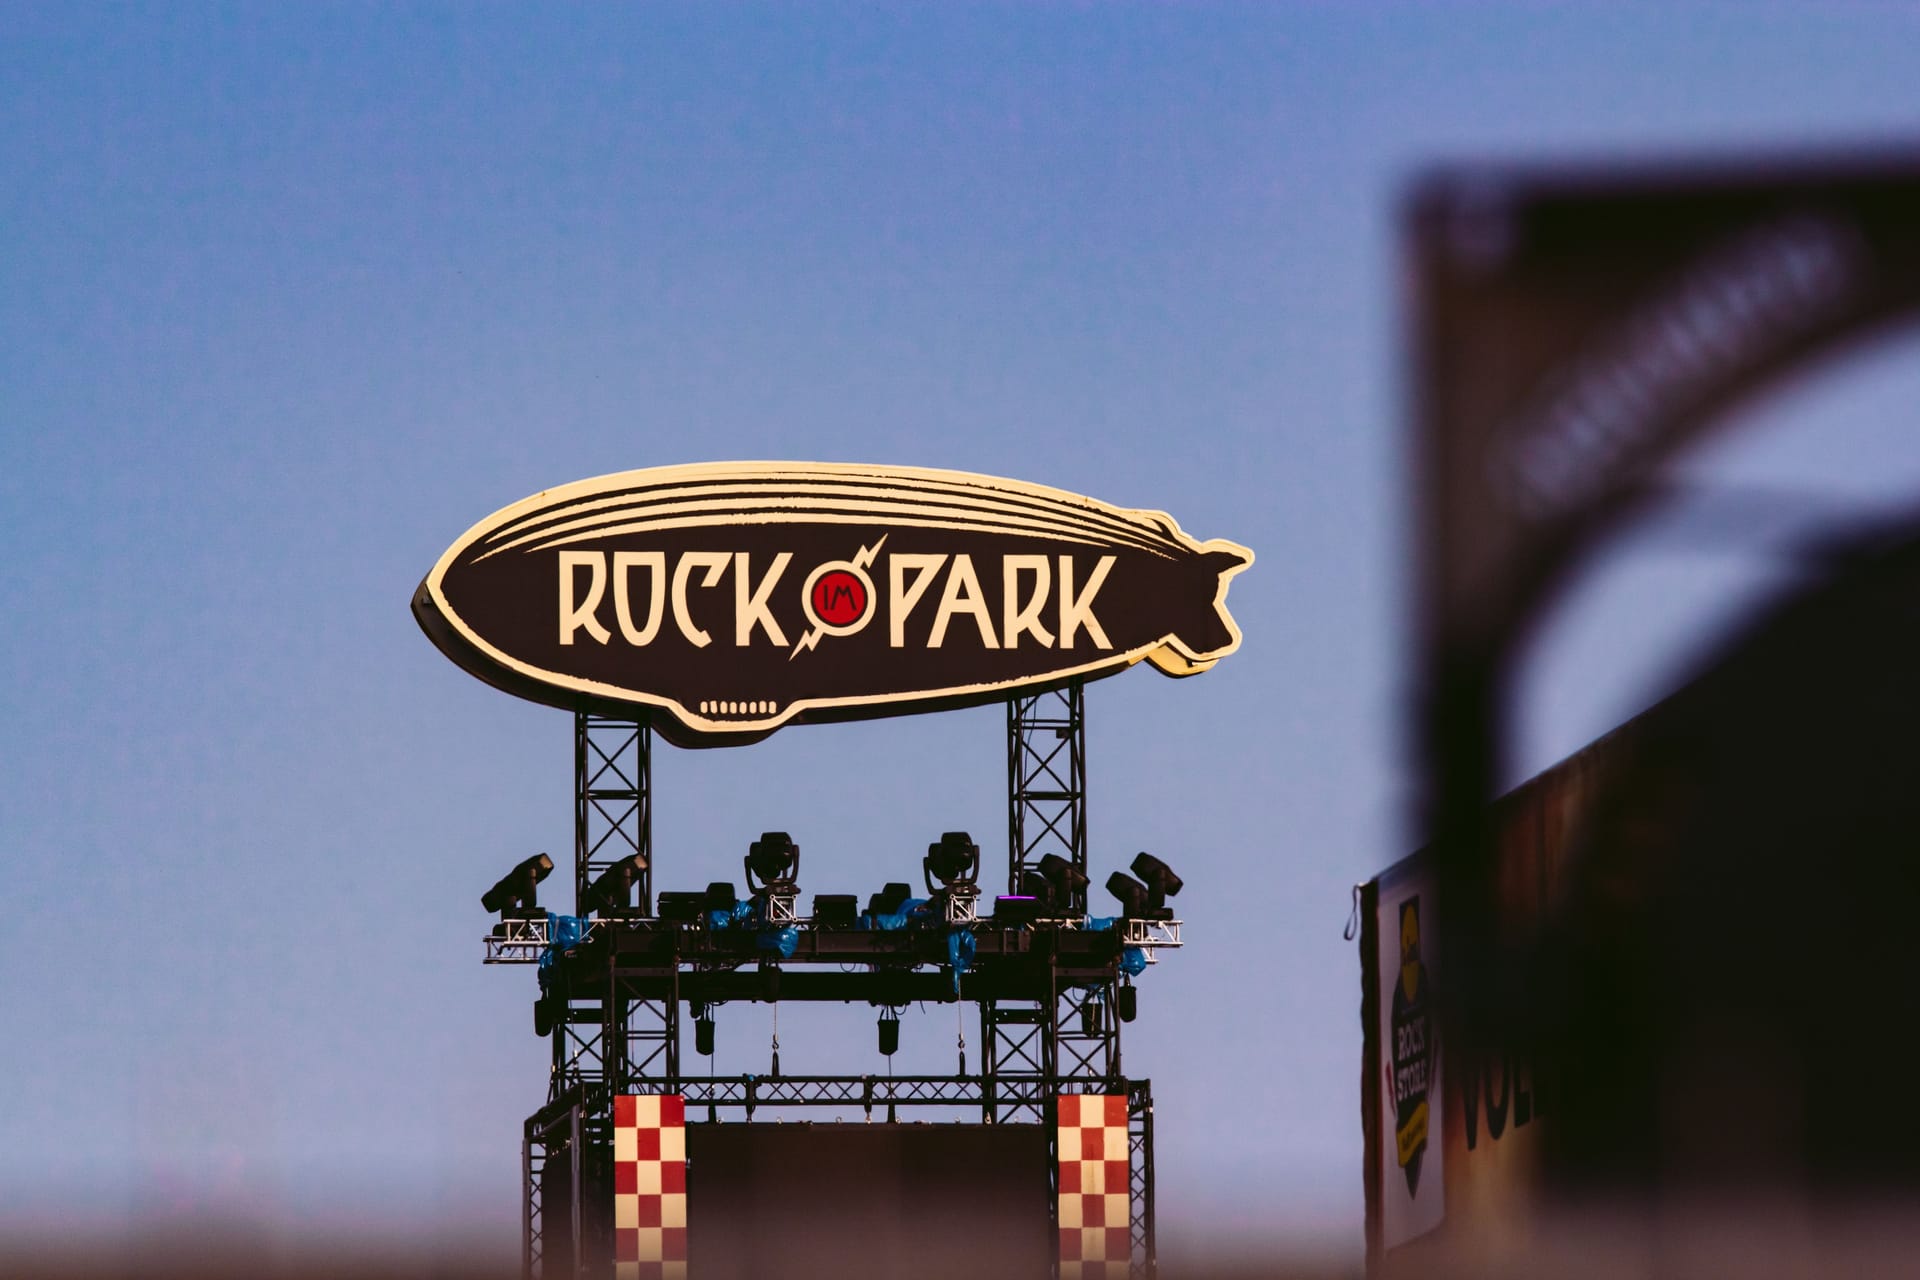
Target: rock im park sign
[{"x": 729, "y": 599}]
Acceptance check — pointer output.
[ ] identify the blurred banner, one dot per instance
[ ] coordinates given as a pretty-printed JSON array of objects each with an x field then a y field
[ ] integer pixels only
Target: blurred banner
[
  {"x": 1451, "y": 1127},
  {"x": 1574, "y": 332}
]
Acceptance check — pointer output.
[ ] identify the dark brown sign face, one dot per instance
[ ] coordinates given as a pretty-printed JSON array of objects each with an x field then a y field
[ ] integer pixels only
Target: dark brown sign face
[{"x": 739, "y": 597}]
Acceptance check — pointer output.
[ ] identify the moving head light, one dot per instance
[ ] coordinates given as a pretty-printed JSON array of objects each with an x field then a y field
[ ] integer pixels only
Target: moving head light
[
  {"x": 611, "y": 892},
  {"x": 774, "y": 859},
  {"x": 1068, "y": 882},
  {"x": 1158, "y": 877},
  {"x": 1146, "y": 901},
  {"x": 1134, "y": 896},
  {"x": 516, "y": 888},
  {"x": 890, "y": 899},
  {"x": 953, "y": 860}
]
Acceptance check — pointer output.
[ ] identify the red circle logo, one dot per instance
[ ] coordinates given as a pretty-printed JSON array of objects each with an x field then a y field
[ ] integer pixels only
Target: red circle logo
[{"x": 839, "y": 598}]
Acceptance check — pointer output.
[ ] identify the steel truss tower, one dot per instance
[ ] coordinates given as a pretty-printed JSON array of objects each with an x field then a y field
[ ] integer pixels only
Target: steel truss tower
[{"x": 1048, "y": 1015}]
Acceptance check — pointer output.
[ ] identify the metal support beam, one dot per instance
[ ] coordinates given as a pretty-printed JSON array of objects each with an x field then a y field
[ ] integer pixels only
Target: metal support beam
[
  {"x": 1046, "y": 784},
  {"x": 1145, "y": 1259},
  {"x": 612, "y": 802}
]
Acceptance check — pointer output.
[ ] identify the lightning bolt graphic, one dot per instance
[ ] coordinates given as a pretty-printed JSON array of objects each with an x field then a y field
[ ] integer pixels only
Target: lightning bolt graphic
[{"x": 861, "y": 560}]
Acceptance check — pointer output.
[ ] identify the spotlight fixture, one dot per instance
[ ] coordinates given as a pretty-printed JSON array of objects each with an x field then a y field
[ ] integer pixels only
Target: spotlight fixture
[
  {"x": 1038, "y": 888},
  {"x": 953, "y": 860},
  {"x": 516, "y": 888},
  {"x": 1158, "y": 877},
  {"x": 774, "y": 861},
  {"x": 611, "y": 893},
  {"x": 890, "y": 899},
  {"x": 720, "y": 896},
  {"x": 835, "y": 910},
  {"x": 1015, "y": 909},
  {"x": 1068, "y": 881},
  {"x": 684, "y": 907},
  {"x": 1134, "y": 896}
]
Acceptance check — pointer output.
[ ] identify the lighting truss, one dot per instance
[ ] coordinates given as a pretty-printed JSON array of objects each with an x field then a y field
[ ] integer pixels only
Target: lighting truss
[
  {"x": 1046, "y": 785},
  {"x": 613, "y": 803}
]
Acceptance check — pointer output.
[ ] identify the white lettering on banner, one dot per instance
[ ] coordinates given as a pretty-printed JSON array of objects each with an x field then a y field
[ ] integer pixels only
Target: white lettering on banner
[
  {"x": 1023, "y": 618},
  {"x": 573, "y": 617},
  {"x": 1077, "y": 611},
  {"x": 715, "y": 563},
  {"x": 750, "y": 606},
  {"x": 655, "y": 563},
  {"x": 910, "y": 576},
  {"x": 902, "y": 596},
  {"x": 962, "y": 595}
]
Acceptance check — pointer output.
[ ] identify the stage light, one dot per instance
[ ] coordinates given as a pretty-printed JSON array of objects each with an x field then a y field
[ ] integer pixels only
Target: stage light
[
  {"x": 1016, "y": 909},
  {"x": 683, "y": 907},
  {"x": 1158, "y": 877},
  {"x": 1068, "y": 881},
  {"x": 1037, "y": 887},
  {"x": 611, "y": 892},
  {"x": 720, "y": 896},
  {"x": 703, "y": 1036},
  {"x": 889, "y": 1031},
  {"x": 953, "y": 860},
  {"x": 835, "y": 910},
  {"x": 516, "y": 888},
  {"x": 1134, "y": 896},
  {"x": 1126, "y": 1002},
  {"x": 774, "y": 860},
  {"x": 890, "y": 899}
]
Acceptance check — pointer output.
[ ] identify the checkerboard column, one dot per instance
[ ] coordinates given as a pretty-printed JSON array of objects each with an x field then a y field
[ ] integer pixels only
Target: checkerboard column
[
  {"x": 650, "y": 1187},
  {"x": 1096, "y": 1240}
]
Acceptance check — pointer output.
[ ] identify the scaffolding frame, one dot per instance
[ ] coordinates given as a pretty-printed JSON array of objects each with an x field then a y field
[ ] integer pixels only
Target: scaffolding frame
[{"x": 616, "y": 1030}]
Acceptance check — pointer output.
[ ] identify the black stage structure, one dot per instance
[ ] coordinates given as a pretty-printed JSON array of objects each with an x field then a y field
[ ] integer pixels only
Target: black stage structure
[{"x": 620, "y": 977}]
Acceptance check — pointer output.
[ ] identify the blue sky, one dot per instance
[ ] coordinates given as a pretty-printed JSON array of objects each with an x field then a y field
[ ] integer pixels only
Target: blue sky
[{"x": 291, "y": 296}]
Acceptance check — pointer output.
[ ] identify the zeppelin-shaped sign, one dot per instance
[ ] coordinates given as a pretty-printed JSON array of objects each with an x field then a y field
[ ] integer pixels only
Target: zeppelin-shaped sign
[{"x": 739, "y": 597}]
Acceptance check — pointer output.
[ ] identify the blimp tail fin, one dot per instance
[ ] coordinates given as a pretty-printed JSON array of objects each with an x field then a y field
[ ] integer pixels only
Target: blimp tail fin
[{"x": 1202, "y": 643}]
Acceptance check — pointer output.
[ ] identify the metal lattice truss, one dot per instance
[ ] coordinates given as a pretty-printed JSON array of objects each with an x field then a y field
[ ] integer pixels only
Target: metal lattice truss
[
  {"x": 555, "y": 1133},
  {"x": 1046, "y": 785},
  {"x": 1150, "y": 936},
  {"x": 615, "y": 1030},
  {"x": 642, "y": 1041},
  {"x": 521, "y": 941},
  {"x": 1144, "y": 1261},
  {"x": 1036, "y": 1049},
  {"x": 518, "y": 941},
  {"x": 613, "y": 804},
  {"x": 579, "y": 1042},
  {"x": 751, "y": 1093}
]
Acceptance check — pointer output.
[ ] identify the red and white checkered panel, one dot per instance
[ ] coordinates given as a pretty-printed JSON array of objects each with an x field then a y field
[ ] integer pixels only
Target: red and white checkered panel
[
  {"x": 1096, "y": 1241},
  {"x": 650, "y": 1187}
]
